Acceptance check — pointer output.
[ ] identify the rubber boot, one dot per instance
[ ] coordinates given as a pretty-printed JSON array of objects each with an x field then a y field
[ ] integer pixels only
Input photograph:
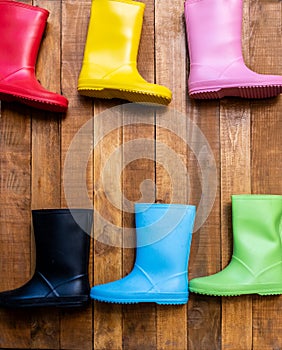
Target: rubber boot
[
  {"x": 22, "y": 27},
  {"x": 217, "y": 68},
  {"x": 109, "y": 68},
  {"x": 62, "y": 239},
  {"x": 256, "y": 264},
  {"x": 160, "y": 274}
]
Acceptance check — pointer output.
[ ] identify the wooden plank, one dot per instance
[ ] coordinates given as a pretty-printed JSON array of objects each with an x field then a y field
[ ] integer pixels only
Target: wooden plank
[
  {"x": 139, "y": 320},
  {"x": 171, "y": 71},
  {"x": 170, "y": 65},
  {"x": 46, "y": 187},
  {"x": 235, "y": 135},
  {"x": 108, "y": 221},
  {"x": 46, "y": 125},
  {"x": 14, "y": 218},
  {"x": 235, "y": 179},
  {"x": 107, "y": 256},
  {"x": 204, "y": 312},
  {"x": 75, "y": 325},
  {"x": 266, "y": 178},
  {"x": 266, "y": 145}
]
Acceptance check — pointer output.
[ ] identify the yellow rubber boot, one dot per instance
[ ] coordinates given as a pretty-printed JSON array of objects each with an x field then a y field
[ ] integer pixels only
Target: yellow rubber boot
[{"x": 109, "y": 68}]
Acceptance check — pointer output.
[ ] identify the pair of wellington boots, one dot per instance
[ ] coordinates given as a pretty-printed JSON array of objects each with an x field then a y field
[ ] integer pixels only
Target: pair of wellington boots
[
  {"x": 217, "y": 68},
  {"x": 22, "y": 27}
]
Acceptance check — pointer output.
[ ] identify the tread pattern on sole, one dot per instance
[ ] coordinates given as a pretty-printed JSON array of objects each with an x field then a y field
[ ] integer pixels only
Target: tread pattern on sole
[
  {"x": 257, "y": 92},
  {"x": 46, "y": 304},
  {"x": 160, "y": 302},
  {"x": 129, "y": 95},
  {"x": 43, "y": 105},
  {"x": 234, "y": 294}
]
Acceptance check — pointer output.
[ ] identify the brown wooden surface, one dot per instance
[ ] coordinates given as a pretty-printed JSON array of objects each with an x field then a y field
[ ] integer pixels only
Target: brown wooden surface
[{"x": 245, "y": 138}]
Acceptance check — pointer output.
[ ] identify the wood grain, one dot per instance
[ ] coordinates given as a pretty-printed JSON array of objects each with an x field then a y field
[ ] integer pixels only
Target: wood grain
[
  {"x": 205, "y": 257},
  {"x": 170, "y": 57},
  {"x": 235, "y": 134},
  {"x": 107, "y": 330},
  {"x": 235, "y": 179},
  {"x": 244, "y": 136},
  {"x": 75, "y": 325},
  {"x": 15, "y": 218},
  {"x": 266, "y": 51},
  {"x": 139, "y": 320},
  {"x": 46, "y": 159},
  {"x": 108, "y": 226}
]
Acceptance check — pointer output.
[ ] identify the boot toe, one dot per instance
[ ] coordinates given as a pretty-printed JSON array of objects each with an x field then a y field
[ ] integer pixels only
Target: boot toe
[
  {"x": 41, "y": 98},
  {"x": 113, "y": 292},
  {"x": 129, "y": 289},
  {"x": 201, "y": 285}
]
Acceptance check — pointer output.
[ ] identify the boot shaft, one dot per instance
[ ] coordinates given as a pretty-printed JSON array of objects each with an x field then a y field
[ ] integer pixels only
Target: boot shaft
[
  {"x": 257, "y": 229},
  {"x": 113, "y": 33},
  {"x": 62, "y": 239},
  {"x": 214, "y": 29},
  {"x": 22, "y": 27},
  {"x": 164, "y": 234}
]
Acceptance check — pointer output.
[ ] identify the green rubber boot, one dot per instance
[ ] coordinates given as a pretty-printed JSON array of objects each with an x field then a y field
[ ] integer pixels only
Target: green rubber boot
[{"x": 256, "y": 264}]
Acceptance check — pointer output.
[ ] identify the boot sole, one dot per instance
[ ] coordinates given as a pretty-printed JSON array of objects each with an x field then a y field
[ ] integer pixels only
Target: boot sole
[
  {"x": 158, "y": 299},
  {"x": 60, "y": 302},
  {"x": 237, "y": 293},
  {"x": 160, "y": 302},
  {"x": 256, "y": 92},
  {"x": 29, "y": 101},
  {"x": 124, "y": 94}
]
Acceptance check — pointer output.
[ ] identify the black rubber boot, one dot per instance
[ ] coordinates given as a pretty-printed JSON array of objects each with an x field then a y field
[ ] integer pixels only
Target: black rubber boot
[{"x": 62, "y": 239}]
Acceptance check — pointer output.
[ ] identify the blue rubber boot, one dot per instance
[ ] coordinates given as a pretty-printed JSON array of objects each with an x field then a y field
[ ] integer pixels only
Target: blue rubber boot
[{"x": 160, "y": 273}]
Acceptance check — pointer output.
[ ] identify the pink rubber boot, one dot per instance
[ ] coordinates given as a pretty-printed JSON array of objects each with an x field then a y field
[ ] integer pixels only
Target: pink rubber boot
[{"x": 217, "y": 67}]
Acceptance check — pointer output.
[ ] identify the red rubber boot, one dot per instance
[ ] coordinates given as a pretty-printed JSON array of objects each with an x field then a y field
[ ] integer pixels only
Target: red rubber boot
[{"x": 22, "y": 27}]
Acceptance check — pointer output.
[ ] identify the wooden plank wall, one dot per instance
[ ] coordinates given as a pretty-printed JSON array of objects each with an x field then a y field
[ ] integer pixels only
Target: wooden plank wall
[{"x": 245, "y": 138}]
